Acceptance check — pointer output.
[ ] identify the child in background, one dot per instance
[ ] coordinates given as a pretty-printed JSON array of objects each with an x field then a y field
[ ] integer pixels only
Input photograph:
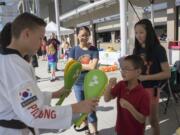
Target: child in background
[
  {"x": 66, "y": 48},
  {"x": 43, "y": 48},
  {"x": 51, "y": 53},
  {"x": 132, "y": 99}
]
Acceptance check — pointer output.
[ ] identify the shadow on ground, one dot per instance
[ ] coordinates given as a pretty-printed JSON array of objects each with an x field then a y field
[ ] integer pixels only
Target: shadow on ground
[
  {"x": 58, "y": 78},
  {"x": 107, "y": 131}
]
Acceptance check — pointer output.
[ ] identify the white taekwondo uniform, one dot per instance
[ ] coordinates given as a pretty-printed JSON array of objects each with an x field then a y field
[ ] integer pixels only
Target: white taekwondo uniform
[{"x": 21, "y": 99}]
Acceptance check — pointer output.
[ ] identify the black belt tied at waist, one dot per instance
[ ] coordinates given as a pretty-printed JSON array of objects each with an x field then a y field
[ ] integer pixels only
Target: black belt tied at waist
[{"x": 15, "y": 124}]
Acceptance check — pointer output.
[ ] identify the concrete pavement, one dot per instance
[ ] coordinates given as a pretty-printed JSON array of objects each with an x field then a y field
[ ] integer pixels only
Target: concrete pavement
[{"x": 106, "y": 112}]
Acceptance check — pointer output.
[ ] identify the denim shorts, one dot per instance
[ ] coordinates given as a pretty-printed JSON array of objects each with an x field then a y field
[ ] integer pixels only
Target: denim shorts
[
  {"x": 52, "y": 65},
  {"x": 79, "y": 93}
]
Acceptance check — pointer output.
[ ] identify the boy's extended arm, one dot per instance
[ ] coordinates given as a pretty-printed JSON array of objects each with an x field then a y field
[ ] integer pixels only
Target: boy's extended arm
[
  {"x": 137, "y": 115},
  {"x": 107, "y": 93}
]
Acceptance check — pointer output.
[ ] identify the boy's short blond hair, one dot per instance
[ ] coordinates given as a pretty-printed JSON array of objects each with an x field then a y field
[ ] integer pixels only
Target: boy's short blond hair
[{"x": 51, "y": 49}]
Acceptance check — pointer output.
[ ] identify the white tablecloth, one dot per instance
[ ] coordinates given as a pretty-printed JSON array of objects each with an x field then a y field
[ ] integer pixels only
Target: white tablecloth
[{"x": 108, "y": 58}]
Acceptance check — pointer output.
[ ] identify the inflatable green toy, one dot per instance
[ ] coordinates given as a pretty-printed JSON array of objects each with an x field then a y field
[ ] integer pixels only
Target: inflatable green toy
[
  {"x": 94, "y": 86},
  {"x": 71, "y": 73}
]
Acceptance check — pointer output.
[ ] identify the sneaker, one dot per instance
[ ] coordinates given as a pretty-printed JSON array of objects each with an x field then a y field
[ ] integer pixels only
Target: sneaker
[
  {"x": 37, "y": 78},
  {"x": 58, "y": 70},
  {"x": 52, "y": 80}
]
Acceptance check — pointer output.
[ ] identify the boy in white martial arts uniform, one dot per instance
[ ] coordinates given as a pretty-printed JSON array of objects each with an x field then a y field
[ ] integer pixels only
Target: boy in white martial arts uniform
[{"x": 23, "y": 106}]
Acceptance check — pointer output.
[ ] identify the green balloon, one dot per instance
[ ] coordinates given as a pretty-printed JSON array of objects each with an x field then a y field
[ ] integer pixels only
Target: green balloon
[
  {"x": 72, "y": 74},
  {"x": 70, "y": 77},
  {"x": 94, "y": 86}
]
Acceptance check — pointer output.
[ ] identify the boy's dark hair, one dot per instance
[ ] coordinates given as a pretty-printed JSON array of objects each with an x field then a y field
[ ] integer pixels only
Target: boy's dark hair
[
  {"x": 26, "y": 20},
  {"x": 136, "y": 61},
  {"x": 5, "y": 36},
  {"x": 151, "y": 38},
  {"x": 83, "y": 28}
]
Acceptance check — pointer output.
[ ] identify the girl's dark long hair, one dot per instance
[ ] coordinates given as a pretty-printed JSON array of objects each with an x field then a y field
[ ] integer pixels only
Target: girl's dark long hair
[
  {"x": 5, "y": 36},
  {"x": 151, "y": 39},
  {"x": 83, "y": 28}
]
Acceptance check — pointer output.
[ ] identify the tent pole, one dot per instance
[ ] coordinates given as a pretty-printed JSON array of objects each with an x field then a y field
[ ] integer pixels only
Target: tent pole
[
  {"x": 152, "y": 12},
  {"x": 57, "y": 18},
  {"x": 37, "y": 4},
  {"x": 123, "y": 26}
]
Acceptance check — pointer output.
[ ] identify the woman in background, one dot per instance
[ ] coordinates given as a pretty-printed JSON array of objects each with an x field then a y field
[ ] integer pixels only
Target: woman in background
[{"x": 88, "y": 56}]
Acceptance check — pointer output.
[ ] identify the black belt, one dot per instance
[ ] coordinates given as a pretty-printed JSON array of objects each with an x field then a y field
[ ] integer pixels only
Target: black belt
[{"x": 15, "y": 124}]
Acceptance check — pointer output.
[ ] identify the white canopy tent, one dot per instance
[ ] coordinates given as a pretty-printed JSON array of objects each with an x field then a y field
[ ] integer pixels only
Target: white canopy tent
[{"x": 52, "y": 27}]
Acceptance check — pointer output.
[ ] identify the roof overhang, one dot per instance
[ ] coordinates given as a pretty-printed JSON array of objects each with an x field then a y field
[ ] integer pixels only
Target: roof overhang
[
  {"x": 84, "y": 8},
  {"x": 145, "y": 3}
]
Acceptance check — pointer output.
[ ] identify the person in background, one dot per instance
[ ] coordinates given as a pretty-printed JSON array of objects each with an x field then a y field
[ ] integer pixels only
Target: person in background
[
  {"x": 88, "y": 56},
  {"x": 53, "y": 40},
  {"x": 66, "y": 49},
  {"x": 51, "y": 54},
  {"x": 43, "y": 48},
  {"x": 156, "y": 67},
  {"x": 5, "y": 36}
]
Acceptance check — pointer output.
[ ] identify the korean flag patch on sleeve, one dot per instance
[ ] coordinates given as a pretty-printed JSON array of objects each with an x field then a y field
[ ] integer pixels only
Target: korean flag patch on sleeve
[{"x": 27, "y": 97}]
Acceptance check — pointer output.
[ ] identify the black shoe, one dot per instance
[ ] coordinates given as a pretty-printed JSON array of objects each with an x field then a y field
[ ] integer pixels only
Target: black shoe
[
  {"x": 58, "y": 70},
  {"x": 52, "y": 80},
  {"x": 37, "y": 78},
  {"x": 81, "y": 129}
]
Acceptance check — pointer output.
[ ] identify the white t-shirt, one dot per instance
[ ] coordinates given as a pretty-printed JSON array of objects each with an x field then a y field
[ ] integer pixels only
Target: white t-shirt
[{"x": 21, "y": 99}]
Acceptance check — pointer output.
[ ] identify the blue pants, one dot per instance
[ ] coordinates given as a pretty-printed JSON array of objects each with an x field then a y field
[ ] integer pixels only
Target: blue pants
[{"x": 79, "y": 93}]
